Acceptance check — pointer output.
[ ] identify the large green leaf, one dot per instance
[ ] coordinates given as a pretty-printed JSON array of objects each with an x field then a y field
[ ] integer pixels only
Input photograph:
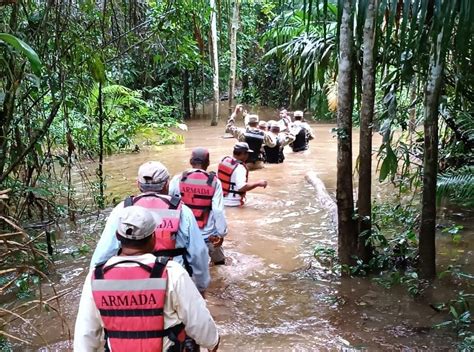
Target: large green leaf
[
  {"x": 97, "y": 69},
  {"x": 25, "y": 49}
]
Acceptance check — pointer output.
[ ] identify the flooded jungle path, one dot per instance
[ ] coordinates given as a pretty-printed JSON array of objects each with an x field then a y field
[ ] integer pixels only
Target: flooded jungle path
[{"x": 266, "y": 299}]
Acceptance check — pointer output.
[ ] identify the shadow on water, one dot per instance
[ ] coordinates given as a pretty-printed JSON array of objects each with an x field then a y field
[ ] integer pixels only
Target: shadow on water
[{"x": 272, "y": 296}]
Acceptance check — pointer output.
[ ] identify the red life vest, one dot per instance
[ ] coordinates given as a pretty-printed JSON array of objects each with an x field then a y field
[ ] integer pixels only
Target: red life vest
[
  {"x": 130, "y": 300},
  {"x": 169, "y": 208},
  {"x": 197, "y": 187},
  {"x": 224, "y": 172}
]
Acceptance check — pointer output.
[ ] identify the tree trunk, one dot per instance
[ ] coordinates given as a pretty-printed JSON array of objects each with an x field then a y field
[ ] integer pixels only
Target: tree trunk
[
  {"x": 427, "y": 247},
  {"x": 100, "y": 171},
  {"x": 186, "y": 103},
  {"x": 412, "y": 111},
  {"x": 364, "y": 251},
  {"x": 215, "y": 66},
  {"x": 347, "y": 234},
  {"x": 233, "y": 54}
]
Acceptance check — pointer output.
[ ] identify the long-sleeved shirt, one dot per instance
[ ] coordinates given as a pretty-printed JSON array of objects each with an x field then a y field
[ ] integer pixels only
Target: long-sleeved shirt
[
  {"x": 295, "y": 128},
  {"x": 183, "y": 304},
  {"x": 188, "y": 236},
  {"x": 239, "y": 134},
  {"x": 216, "y": 223},
  {"x": 284, "y": 138}
]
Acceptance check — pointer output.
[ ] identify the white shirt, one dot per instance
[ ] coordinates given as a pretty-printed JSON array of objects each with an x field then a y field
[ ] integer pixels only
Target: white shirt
[
  {"x": 239, "y": 177},
  {"x": 216, "y": 223},
  {"x": 183, "y": 304}
]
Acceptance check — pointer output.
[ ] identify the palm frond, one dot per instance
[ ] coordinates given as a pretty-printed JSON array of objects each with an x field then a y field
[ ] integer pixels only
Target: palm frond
[{"x": 457, "y": 185}]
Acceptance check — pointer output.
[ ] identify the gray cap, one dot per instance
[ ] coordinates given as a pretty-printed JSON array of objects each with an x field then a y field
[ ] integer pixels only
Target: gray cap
[
  {"x": 242, "y": 147},
  {"x": 251, "y": 118},
  {"x": 137, "y": 223},
  {"x": 275, "y": 127},
  {"x": 153, "y": 174},
  {"x": 200, "y": 155}
]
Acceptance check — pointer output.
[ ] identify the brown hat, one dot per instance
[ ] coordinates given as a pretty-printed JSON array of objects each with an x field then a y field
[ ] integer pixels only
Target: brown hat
[
  {"x": 137, "y": 223},
  {"x": 199, "y": 155},
  {"x": 153, "y": 175}
]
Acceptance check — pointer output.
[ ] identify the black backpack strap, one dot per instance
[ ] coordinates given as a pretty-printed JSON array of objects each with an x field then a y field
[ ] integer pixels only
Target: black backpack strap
[
  {"x": 211, "y": 178},
  {"x": 184, "y": 176},
  {"x": 175, "y": 201},
  {"x": 128, "y": 202},
  {"x": 99, "y": 271},
  {"x": 176, "y": 252},
  {"x": 159, "y": 267}
]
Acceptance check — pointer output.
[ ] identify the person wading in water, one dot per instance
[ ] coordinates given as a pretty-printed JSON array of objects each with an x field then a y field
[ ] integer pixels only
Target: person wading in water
[
  {"x": 252, "y": 135},
  {"x": 141, "y": 302},
  {"x": 201, "y": 191},
  {"x": 233, "y": 174}
]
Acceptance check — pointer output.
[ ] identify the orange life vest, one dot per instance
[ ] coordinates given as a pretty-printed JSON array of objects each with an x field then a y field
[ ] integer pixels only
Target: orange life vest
[
  {"x": 130, "y": 300},
  {"x": 224, "y": 172},
  {"x": 169, "y": 209},
  {"x": 197, "y": 187}
]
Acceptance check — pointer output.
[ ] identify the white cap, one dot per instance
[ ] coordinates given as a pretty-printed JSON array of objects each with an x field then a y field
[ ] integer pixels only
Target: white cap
[
  {"x": 298, "y": 113},
  {"x": 153, "y": 175},
  {"x": 137, "y": 223}
]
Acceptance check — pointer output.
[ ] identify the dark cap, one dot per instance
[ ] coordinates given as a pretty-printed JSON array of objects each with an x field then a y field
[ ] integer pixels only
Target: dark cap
[
  {"x": 199, "y": 155},
  {"x": 242, "y": 147}
]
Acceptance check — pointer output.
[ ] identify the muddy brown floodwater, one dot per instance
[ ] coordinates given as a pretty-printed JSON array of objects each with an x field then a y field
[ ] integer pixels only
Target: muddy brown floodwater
[{"x": 268, "y": 298}]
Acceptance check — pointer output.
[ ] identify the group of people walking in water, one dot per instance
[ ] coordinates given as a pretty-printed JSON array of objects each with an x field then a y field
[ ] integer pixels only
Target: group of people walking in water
[{"x": 145, "y": 290}]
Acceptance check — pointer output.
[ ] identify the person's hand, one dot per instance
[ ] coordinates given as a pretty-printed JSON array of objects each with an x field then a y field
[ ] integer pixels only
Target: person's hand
[
  {"x": 239, "y": 108},
  {"x": 216, "y": 240},
  {"x": 217, "y": 346},
  {"x": 263, "y": 183}
]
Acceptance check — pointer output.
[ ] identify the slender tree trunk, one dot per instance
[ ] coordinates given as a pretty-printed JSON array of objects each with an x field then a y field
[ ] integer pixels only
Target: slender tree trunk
[
  {"x": 347, "y": 233},
  {"x": 186, "y": 103},
  {"x": 365, "y": 146},
  {"x": 427, "y": 247},
  {"x": 412, "y": 122},
  {"x": 100, "y": 170},
  {"x": 233, "y": 54},
  {"x": 215, "y": 66}
]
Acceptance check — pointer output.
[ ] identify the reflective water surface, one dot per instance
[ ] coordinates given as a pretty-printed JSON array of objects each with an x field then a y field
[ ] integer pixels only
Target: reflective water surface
[{"x": 272, "y": 296}]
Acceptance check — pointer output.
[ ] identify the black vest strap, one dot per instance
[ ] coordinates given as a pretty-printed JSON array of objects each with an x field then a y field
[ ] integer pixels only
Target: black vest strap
[
  {"x": 211, "y": 177},
  {"x": 153, "y": 312},
  {"x": 159, "y": 267},
  {"x": 172, "y": 333},
  {"x": 128, "y": 202}
]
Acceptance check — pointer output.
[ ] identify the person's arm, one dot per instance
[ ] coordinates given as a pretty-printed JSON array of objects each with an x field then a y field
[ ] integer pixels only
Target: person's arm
[
  {"x": 269, "y": 140},
  {"x": 173, "y": 189},
  {"x": 241, "y": 184},
  {"x": 189, "y": 236},
  {"x": 287, "y": 138},
  {"x": 108, "y": 244},
  {"x": 251, "y": 185},
  {"x": 88, "y": 328},
  {"x": 192, "y": 311},
  {"x": 220, "y": 222},
  {"x": 310, "y": 131}
]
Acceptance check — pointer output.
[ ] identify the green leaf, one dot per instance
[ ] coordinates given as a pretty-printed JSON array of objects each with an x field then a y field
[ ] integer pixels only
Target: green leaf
[
  {"x": 25, "y": 49},
  {"x": 97, "y": 69}
]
